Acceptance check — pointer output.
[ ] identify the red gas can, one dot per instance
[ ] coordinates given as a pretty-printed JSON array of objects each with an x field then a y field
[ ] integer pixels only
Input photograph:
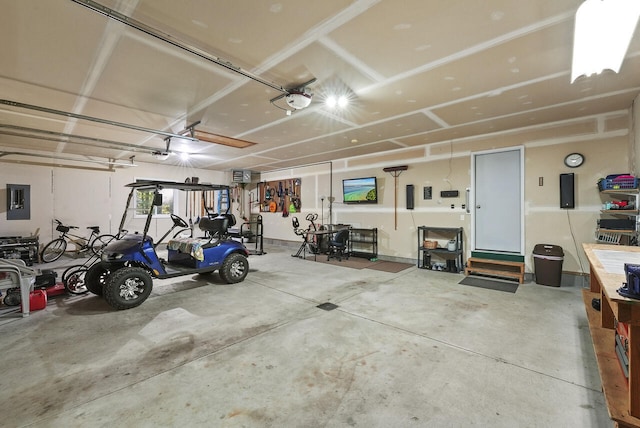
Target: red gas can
[{"x": 37, "y": 300}]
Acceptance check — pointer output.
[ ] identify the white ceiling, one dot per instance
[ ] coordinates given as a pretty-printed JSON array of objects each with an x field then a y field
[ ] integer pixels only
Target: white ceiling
[{"x": 417, "y": 72}]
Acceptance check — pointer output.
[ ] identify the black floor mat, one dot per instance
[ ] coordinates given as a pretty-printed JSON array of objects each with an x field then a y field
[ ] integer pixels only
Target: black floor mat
[{"x": 490, "y": 284}]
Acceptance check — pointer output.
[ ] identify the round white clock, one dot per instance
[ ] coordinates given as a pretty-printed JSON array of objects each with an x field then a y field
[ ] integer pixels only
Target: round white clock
[{"x": 574, "y": 160}]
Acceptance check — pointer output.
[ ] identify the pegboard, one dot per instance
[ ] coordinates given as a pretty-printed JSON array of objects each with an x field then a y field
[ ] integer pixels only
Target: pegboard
[{"x": 280, "y": 196}]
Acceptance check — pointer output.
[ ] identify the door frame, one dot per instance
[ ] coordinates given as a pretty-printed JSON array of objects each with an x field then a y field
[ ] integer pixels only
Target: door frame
[{"x": 472, "y": 202}]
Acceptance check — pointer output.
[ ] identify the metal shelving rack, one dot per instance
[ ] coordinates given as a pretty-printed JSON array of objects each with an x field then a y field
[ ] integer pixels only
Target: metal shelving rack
[
  {"x": 613, "y": 236},
  {"x": 363, "y": 243},
  {"x": 456, "y": 257}
]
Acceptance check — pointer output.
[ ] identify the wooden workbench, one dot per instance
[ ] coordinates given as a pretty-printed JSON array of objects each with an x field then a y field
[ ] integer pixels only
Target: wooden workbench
[{"x": 623, "y": 401}]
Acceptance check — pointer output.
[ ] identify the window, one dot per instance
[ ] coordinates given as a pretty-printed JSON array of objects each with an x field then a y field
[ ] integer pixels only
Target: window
[{"x": 144, "y": 201}]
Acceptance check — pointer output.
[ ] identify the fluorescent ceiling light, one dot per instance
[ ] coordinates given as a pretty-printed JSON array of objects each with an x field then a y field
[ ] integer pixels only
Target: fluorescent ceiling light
[{"x": 603, "y": 31}]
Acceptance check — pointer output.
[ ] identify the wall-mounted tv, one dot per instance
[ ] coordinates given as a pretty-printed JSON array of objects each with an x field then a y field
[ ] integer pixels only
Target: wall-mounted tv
[{"x": 360, "y": 190}]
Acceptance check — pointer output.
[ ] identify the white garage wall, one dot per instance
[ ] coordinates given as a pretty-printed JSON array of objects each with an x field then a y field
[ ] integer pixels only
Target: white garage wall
[
  {"x": 82, "y": 197},
  {"x": 85, "y": 198}
]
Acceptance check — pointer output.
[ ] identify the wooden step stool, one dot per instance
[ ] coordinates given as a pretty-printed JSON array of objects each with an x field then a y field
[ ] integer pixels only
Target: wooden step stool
[{"x": 496, "y": 268}]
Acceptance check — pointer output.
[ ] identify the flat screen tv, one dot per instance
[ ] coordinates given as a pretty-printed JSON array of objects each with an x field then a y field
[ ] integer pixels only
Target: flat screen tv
[{"x": 360, "y": 190}]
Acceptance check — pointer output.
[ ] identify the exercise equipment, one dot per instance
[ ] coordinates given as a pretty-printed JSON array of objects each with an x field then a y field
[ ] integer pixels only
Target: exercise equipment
[{"x": 308, "y": 238}]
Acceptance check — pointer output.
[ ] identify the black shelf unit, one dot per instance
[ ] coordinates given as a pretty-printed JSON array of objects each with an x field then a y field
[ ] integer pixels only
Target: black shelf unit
[
  {"x": 363, "y": 243},
  {"x": 621, "y": 236},
  {"x": 454, "y": 259}
]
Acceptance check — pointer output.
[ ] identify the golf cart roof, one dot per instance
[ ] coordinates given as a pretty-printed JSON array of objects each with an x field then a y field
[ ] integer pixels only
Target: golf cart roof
[{"x": 156, "y": 184}]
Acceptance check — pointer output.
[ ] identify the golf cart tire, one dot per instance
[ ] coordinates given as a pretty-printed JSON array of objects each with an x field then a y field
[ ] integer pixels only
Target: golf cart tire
[
  {"x": 95, "y": 279},
  {"x": 234, "y": 269},
  {"x": 128, "y": 287}
]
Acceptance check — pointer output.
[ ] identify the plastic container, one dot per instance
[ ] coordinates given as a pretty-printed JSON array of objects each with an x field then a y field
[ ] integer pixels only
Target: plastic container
[
  {"x": 547, "y": 261},
  {"x": 618, "y": 182},
  {"x": 37, "y": 300}
]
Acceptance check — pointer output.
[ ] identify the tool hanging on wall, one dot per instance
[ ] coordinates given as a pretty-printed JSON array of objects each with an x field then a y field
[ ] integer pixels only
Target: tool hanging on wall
[
  {"x": 395, "y": 171},
  {"x": 285, "y": 207},
  {"x": 292, "y": 197},
  {"x": 240, "y": 194},
  {"x": 186, "y": 206},
  {"x": 203, "y": 206},
  {"x": 194, "y": 207}
]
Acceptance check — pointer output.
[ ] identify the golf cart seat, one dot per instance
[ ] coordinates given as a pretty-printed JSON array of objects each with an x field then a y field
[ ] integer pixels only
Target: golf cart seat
[
  {"x": 215, "y": 230},
  {"x": 214, "y": 227},
  {"x": 230, "y": 218}
]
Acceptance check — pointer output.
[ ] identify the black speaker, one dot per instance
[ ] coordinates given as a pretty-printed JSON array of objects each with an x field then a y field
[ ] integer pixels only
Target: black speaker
[
  {"x": 567, "y": 193},
  {"x": 410, "y": 196}
]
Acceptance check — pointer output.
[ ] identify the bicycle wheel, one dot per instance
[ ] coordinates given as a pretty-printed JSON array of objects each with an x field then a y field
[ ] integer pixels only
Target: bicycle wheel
[
  {"x": 100, "y": 242},
  {"x": 69, "y": 270},
  {"x": 74, "y": 282},
  {"x": 53, "y": 250}
]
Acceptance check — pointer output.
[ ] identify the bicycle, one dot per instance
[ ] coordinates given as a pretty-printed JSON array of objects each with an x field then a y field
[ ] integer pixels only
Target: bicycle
[
  {"x": 56, "y": 248},
  {"x": 73, "y": 276}
]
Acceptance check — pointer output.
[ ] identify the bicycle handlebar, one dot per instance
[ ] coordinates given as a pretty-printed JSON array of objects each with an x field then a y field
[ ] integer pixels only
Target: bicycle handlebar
[{"x": 62, "y": 224}]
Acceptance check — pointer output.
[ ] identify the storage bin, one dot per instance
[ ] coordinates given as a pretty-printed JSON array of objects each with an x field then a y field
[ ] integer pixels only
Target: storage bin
[
  {"x": 430, "y": 245},
  {"x": 619, "y": 182}
]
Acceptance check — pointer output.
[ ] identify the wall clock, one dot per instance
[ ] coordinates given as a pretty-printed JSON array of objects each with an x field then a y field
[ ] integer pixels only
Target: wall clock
[{"x": 574, "y": 160}]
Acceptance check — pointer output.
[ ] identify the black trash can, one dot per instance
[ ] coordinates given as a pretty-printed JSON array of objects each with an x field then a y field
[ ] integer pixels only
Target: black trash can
[{"x": 547, "y": 260}]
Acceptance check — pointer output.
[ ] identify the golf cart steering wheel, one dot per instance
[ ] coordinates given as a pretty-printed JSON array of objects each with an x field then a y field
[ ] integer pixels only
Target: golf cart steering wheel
[{"x": 178, "y": 222}]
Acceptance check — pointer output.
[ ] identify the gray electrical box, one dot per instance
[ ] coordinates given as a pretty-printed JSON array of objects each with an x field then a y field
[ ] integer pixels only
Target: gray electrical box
[{"x": 242, "y": 176}]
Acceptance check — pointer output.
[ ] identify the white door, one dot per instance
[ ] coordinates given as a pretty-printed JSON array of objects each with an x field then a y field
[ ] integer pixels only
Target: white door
[{"x": 498, "y": 195}]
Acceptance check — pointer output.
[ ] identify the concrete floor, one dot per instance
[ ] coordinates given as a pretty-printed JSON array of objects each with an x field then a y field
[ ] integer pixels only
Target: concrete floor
[{"x": 411, "y": 349}]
